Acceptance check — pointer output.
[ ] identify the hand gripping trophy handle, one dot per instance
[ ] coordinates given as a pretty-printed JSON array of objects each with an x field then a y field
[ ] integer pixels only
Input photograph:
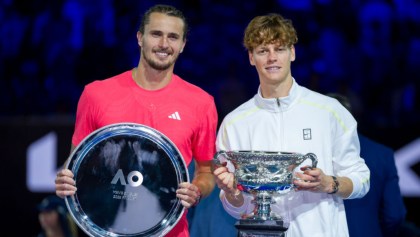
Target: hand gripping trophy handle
[{"x": 313, "y": 158}]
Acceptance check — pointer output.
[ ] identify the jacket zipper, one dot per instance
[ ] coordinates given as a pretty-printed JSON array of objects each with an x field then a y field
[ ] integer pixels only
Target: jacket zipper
[{"x": 281, "y": 125}]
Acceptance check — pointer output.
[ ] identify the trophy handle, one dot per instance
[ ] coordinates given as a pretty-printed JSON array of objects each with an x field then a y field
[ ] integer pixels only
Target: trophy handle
[
  {"x": 216, "y": 160},
  {"x": 226, "y": 162},
  {"x": 313, "y": 158}
]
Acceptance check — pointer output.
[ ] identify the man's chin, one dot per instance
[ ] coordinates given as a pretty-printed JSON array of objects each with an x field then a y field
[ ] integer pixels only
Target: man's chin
[{"x": 160, "y": 67}]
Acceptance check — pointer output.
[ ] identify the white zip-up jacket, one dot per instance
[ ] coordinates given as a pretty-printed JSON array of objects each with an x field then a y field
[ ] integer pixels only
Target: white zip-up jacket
[{"x": 303, "y": 122}]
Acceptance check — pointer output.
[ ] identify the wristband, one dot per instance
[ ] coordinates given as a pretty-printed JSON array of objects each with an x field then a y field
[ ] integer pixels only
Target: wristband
[
  {"x": 198, "y": 198},
  {"x": 336, "y": 185},
  {"x": 236, "y": 194}
]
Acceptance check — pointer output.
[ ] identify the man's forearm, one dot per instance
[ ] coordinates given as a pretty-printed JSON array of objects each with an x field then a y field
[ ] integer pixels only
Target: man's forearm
[
  {"x": 345, "y": 187},
  {"x": 205, "y": 182}
]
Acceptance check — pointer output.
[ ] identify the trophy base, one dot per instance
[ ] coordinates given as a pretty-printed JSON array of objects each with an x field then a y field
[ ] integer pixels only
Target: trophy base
[{"x": 260, "y": 228}]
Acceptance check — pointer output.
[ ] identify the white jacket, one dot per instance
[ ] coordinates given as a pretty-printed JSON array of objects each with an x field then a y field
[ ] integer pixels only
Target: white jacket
[{"x": 303, "y": 122}]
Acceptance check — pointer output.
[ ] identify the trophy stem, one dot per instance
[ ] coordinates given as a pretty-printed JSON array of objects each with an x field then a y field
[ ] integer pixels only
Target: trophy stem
[
  {"x": 263, "y": 204},
  {"x": 263, "y": 223}
]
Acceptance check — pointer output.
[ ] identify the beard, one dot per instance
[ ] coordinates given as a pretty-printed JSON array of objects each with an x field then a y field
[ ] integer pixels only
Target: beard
[{"x": 158, "y": 65}]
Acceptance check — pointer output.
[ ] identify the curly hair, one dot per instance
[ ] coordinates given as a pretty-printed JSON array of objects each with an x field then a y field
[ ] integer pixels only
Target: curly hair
[{"x": 271, "y": 28}]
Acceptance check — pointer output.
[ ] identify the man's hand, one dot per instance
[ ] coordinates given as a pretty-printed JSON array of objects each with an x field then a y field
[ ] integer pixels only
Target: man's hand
[
  {"x": 312, "y": 179},
  {"x": 315, "y": 180},
  {"x": 225, "y": 180},
  {"x": 189, "y": 194},
  {"x": 64, "y": 183}
]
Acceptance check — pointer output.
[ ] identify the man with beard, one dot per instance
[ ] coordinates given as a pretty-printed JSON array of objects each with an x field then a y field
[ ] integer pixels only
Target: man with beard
[{"x": 152, "y": 95}]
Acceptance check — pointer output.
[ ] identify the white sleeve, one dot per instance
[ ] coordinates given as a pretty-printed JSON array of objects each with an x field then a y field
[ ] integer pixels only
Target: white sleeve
[
  {"x": 361, "y": 186},
  {"x": 349, "y": 164},
  {"x": 237, "y": 212}
]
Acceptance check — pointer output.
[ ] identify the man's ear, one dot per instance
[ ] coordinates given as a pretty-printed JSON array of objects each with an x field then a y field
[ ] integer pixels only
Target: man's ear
[
  {"x": 183, "y": 46},
  {"x": 251, "y": 58},
  {"x": 139, "y": 38},
  {"x": 292, "y": 53}
]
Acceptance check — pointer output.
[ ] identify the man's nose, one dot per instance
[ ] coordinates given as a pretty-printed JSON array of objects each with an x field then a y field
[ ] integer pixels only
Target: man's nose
[
  {"x": 272, "y": 56},
  {"x": 163, "y": 42}
]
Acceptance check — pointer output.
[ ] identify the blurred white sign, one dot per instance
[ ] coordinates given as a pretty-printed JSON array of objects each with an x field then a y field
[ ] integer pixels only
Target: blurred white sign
[
  {"x": 41, "y": 164},
  {"x": 406, "y": 157}
]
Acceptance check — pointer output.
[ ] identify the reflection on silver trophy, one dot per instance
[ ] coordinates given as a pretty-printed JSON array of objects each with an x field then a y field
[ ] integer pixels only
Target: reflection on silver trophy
[{"x": 263, "y": 174}]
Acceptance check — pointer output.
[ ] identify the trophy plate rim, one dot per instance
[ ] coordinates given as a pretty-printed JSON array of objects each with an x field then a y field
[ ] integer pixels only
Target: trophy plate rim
[{"x": 142, "y": 132}]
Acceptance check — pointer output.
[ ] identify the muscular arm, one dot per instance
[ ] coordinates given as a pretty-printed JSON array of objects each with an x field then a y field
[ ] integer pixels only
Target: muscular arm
[
  {"x": 202, "y": 184},
  {"x": 203, "y": 177}
]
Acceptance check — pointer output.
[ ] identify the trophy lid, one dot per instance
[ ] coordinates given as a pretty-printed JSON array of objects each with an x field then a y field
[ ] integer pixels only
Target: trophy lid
[{"x": 126, "y": 177}]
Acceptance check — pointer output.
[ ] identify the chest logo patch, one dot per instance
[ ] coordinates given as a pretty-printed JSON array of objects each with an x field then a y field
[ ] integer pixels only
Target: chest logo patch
[
  {"x": 307, "y": 134},
  {"x": 175, "y": 116}
]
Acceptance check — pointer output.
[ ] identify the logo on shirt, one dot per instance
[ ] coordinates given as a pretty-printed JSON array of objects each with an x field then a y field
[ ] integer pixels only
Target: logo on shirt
[
  {"x": 175, "y": 116},
  {"x": 307, "y": 135}
]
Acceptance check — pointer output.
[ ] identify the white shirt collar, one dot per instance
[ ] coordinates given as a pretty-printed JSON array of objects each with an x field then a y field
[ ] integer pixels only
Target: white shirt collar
[{"x": 278, "y": 104}]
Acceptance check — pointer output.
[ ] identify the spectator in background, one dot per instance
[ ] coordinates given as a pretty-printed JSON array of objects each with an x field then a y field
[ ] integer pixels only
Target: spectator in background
[
  {"x": 381, "y": 212},
  {"x": 54, "y": 218}
]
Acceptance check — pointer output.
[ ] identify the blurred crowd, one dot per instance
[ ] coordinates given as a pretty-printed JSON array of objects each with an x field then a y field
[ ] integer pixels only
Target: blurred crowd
[{"x": 365, "y": 49}]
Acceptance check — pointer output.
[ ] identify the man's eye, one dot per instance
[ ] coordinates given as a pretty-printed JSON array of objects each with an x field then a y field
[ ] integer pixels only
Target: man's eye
[
  {"x": 173, "y": 37},
  {"x": 156, "y": 34}
]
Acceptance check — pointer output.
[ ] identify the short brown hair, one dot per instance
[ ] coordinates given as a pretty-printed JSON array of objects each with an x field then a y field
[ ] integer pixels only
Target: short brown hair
[
  {"x": 271, "y": 28},
  {"x": 167, "y": 10}
]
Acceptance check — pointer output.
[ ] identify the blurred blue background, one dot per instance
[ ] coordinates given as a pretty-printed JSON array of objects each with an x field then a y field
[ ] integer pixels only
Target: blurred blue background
[{"x": 366, "y": 50}]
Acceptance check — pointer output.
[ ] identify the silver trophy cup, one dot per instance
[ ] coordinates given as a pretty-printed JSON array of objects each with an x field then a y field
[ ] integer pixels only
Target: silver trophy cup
[{"x": 263, "y": 174}]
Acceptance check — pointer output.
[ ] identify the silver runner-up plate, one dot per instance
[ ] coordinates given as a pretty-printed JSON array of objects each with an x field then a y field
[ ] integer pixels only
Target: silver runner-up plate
[{"x": 126, "y": 176}]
